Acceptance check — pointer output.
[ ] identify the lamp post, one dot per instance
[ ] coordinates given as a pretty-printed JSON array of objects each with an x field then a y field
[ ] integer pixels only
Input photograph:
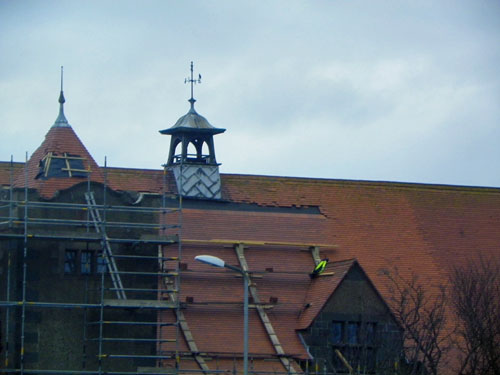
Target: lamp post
[{"x": 217, "y": 262}]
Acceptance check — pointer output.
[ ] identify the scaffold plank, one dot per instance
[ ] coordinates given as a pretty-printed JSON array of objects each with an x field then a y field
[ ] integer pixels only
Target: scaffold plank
[
  {"x": 138, "y": 303},
  {"x": 152, "y": 238}
]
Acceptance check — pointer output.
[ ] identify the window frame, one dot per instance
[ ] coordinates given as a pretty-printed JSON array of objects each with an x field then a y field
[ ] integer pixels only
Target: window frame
[
  {"x": 70, "y": 264},
  {"x": 79, "y": 258},
  {"x": 87, "y": 265}
]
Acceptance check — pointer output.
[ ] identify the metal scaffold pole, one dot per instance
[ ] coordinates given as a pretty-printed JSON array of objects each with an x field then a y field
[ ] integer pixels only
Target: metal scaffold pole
[
  {"x": 9, "y": 262},
  {"x": 178, "y": 279},
  {"x": 25, "y": 268}
]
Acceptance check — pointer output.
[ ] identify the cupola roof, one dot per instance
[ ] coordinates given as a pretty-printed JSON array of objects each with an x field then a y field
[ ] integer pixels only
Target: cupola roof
[{"x": 192, "y": 122}]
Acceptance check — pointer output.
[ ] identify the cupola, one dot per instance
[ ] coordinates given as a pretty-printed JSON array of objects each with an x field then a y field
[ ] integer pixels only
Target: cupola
[{"x": 191, "y": 155}]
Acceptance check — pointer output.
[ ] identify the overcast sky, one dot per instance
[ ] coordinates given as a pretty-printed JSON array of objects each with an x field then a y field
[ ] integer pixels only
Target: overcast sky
[{"x": 371, "y": 90}]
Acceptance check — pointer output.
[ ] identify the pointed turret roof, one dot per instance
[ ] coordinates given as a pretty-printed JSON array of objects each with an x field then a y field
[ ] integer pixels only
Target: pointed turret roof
[{"x": 60, "y": 162}]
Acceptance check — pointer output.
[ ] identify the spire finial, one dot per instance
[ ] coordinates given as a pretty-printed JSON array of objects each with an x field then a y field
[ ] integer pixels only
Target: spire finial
[
  {"x": 192, "y": 81},
  {"x": 61, "y": 119},
  {"x": 61, "y": 95}
]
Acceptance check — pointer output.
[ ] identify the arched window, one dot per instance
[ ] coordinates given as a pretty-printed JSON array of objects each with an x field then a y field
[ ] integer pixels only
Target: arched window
[
  {"x": 191, "y": 151},
  {"x": 205, "y": 151}
]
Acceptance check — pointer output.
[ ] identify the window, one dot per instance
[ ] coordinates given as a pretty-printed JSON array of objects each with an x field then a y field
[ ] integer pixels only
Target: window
[
  {"x": 70, "y": 262},
  {"x": 83, "y": 262},
  {"x": 101, "y": 263},
  {"x": 353, "y": 333},
  {"x": 86, "y": 262},
  {"x": 355, "y": 342},
  {"x": 337, "y": 332},
  {"x": 370, "y": 331}
]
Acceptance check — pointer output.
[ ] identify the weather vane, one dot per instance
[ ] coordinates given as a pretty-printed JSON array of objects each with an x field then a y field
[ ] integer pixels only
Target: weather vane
[{"x": 193, "y": 82}]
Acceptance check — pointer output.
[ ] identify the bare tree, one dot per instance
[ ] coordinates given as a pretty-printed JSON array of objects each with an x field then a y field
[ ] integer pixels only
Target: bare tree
[
  {"x": 421, "y": 313},
  {"x": 475, "y": 298}
]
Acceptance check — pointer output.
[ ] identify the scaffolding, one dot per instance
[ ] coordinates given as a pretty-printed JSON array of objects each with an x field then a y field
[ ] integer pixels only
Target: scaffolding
[
  {"x": 106, "y": 263},
  {"x": 126, "y": 261}
]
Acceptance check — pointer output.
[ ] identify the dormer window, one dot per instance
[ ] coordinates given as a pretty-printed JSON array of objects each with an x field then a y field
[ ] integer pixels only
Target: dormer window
[{"x": 60, "y": 166}]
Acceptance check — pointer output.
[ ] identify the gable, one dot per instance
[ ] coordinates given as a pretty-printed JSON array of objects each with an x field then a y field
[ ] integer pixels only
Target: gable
[
  {"x": 356, "y": 298},
  {"x": 354, "y": 325}
]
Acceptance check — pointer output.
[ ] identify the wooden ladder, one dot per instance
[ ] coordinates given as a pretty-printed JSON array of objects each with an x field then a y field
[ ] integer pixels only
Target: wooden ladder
[
  {"x": 181, "y": 320},
  {"x": 239, "y": 248},
  {"x": 106, "y": 247}
]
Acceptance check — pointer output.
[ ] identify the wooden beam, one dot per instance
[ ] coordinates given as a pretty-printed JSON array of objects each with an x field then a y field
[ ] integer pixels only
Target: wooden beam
[{"x": 258, "y": 243}]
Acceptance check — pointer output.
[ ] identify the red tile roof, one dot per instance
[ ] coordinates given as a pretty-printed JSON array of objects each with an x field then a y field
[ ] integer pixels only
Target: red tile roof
[
  {"x": 215, "y": 313},
  {"x": 247, "y": 226},
  {"x": 139, "y": 180},
  {"x": 424, "y": 229},
  {"x": 58, "y": 140},
  {"x": 7, "y": 170},
  {"x": 418, "y": 228},
  {"x": 222, "y": 290}
]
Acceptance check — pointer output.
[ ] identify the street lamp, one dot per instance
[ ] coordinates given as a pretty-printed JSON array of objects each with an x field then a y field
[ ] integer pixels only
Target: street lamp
[{"x": 217, "y": 262}]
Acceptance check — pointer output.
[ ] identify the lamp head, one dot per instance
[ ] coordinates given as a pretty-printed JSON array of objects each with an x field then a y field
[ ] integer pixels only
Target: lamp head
[{"x": 211, "y": 260}]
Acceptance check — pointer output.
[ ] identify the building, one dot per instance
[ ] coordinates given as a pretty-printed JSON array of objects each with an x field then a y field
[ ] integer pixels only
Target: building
[{"x": 98, "y": 271}]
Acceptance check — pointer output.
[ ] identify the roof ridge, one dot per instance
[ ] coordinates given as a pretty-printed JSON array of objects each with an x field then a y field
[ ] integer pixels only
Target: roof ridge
[{"x": 370, "y": 183}]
